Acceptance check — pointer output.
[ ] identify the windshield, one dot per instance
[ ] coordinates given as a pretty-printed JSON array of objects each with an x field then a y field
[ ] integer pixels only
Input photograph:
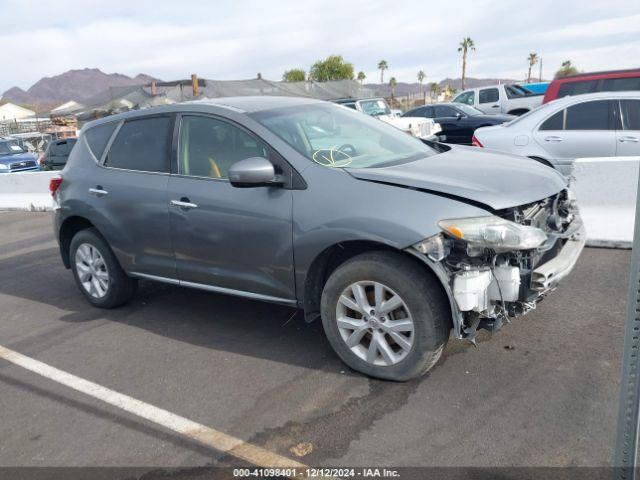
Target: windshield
[
  {"x": 375, "y": 107},
  {"x": 469, "y": 110},
  {"x": 336, "y": 137},
  {"x": 10, "y": 148}
]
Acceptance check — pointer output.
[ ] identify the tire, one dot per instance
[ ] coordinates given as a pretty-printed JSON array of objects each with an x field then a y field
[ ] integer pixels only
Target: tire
[
  {"x": 119, "y": 286},
  {"x": 423, "y": 303}
]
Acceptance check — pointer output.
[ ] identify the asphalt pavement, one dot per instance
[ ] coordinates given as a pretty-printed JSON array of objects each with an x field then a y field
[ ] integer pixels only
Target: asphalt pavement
[{"x": 541, "y": 392}]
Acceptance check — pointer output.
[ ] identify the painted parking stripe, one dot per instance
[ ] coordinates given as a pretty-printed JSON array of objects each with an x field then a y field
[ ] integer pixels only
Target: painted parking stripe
[{"x": 193, "y": 430}]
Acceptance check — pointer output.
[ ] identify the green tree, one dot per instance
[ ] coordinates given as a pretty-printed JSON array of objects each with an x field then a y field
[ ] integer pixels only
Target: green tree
[
  {"x": 392, "y": 84},
  {"x": 421, "y": 77},
  {"x": 332, "y": 68},
  {"x": 294, "y": 75},
  {"x": 382, "y": 66},
  {"x": 466, "y": 45},
  {"x": 566, "y": 69},
  {"x": 361, "y": 76},
  {"x": 532, "y": 59}
]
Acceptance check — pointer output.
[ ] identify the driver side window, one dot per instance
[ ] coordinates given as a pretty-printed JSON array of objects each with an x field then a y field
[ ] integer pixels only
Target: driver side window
[{"x": 209, "y": 146}]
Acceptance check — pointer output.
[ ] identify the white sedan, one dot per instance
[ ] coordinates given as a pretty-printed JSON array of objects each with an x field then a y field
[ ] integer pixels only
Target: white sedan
[{"x": 605, "y": 124}]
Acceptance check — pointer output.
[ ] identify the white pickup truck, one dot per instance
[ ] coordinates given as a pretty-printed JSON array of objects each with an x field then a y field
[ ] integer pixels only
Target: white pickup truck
[
  {"x": 505, "y": 98},
  {"x": 424, "y": 128}
]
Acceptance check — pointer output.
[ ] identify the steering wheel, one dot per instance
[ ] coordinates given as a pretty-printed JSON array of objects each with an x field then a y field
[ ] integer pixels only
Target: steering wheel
[{"x": 347, "y": 149}]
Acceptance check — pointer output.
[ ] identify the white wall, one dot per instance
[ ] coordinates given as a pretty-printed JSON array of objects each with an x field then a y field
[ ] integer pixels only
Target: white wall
[
  {"x": 25, "y": 191},
  {"x": 606, "y": 191},
  {"x": 9, "y": 111}
]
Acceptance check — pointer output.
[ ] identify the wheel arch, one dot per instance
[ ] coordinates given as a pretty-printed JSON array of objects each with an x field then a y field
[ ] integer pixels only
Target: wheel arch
[
  {"x": 542, "y": 161},
  {"x": 68, "y": 229},
  {"x": 518, "y": 111},
  {"x": 327, "y": 261}
]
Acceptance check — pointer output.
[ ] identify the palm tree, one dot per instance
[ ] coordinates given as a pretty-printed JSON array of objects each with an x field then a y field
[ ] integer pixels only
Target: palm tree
[
  {"x": 435, "y": 90},
  {"x": 533, "y": 59},
  {"x": 382, "y": 66},
  {"x": 421, "y": 77},
  {"x": 361, "y": 76},
  {"x": 392, "y": 84},
  {"x": 466, "y": 45}
]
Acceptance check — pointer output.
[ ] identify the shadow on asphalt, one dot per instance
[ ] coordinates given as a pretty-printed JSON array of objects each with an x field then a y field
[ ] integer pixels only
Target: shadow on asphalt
[{"x": 205, "y": 319}]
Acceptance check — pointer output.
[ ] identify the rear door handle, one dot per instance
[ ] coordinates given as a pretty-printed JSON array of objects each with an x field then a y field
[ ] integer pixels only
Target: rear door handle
[
  {"x": 98, "y": 191},
  {"x": 628, "y": 139},
  {"x": 552, "y": 139},
  {"x": 495, "y": 106},
  {"x": 183, "y": 203}
]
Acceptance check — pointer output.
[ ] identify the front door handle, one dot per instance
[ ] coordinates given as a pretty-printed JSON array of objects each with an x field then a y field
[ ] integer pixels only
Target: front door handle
[
  {"x": 98, "y": 191},
  {"x": 183, "y": 203},
  {"x": 495, "y": 106},
  {"x": 552, "y": 139},
  {"x": 628, "y": 139}
]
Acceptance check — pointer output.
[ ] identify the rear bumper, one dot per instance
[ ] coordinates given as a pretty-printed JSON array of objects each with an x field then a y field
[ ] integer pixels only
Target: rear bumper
[{"x": 547, "y": 276}]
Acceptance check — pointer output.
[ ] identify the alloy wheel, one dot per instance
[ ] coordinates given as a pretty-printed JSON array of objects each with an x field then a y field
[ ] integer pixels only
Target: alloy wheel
[
  {"x": 92, "y": 270},
  {"x": 375, "y": 323}
]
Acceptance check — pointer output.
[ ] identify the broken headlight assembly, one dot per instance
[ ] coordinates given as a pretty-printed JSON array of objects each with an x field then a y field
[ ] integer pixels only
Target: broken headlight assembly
[{"x": 494, "y": 232}]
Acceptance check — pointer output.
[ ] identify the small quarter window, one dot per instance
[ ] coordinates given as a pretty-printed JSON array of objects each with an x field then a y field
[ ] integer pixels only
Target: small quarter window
[
  {"x": 97, "y": 138},
  {"x": 554, "y": 122}
]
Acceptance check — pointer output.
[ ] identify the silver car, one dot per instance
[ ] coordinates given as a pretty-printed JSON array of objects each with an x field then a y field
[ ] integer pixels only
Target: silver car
[
  {"x": 605, "y": 124},
  {"x": 391, "y": 241}
]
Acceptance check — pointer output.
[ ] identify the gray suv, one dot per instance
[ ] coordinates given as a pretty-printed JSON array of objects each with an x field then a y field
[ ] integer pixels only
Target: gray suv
[{"x": 392, "y": 241}]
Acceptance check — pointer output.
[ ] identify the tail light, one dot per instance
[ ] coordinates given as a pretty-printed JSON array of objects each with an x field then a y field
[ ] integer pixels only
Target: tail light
[
  {"x": 41, "y": 159},
  {"x": 54, "y": 184},
  {"x": 475, "y": 142}
]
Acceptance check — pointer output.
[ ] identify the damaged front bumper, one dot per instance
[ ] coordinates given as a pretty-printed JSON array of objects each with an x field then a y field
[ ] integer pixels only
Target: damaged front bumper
[{"x": 486, "y": 290}]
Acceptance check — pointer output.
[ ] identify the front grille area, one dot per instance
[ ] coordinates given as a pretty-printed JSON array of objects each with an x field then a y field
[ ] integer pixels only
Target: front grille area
[{"x": 23, "y": 164}]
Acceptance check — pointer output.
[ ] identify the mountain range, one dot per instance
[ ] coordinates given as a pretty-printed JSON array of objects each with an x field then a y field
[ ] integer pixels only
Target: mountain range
[{"x": 75, "y": 85}]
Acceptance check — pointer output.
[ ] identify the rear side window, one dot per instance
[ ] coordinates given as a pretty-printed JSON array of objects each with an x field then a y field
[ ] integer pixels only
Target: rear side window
[
  {"x": 98, "y": 137},
  {"x": 621, "y": 84},
  {"x": 554, "y": 122},
  {"x": 142, "y": 145},
  {"x": 631, "y": 114},
  {"x": 488, "y": 95},
  {"x": 442, "y": 111},
  {"x": 577, "y": 88},
  {"x": 588, "y": 116}
]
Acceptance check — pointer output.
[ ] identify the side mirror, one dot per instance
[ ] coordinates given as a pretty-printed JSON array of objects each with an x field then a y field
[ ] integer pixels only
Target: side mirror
[
  {"x": 458, "y": 115},
  {"x": 253, "y": 172}
]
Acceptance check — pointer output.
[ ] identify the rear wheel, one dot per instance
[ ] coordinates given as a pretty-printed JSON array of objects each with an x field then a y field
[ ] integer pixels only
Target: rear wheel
[
  {"x": 385, "y": 316},
  {"x": 97, "y": 271}
]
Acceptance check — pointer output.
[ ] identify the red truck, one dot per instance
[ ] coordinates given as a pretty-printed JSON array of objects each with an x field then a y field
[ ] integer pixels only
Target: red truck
[{"x": 611, "y": 81}]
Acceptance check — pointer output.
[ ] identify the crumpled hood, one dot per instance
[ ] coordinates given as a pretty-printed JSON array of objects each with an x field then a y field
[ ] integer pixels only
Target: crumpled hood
[
  {"x": 19, "y": 157},
  {"x": 490, "y": 178}
]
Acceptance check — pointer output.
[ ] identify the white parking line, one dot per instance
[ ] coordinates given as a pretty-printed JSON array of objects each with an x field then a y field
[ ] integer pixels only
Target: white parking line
[{"x": 193, "y": 430}]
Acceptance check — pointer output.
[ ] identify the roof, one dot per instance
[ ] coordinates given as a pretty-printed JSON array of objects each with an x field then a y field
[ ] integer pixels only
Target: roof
[
  {"x": 603, "y": 72},
  {"x": 594, "y": 96},
  {"x": 255, "y": 103}
]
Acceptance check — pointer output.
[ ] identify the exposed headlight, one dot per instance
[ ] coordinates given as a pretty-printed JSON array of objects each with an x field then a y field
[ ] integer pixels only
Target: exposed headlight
[
  {"x": 494, "y": 232},
  {"x": 4, "y": 166}
]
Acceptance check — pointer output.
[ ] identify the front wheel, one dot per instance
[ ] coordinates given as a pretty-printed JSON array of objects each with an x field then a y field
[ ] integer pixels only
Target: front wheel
[{"x": 386, "y": 316}]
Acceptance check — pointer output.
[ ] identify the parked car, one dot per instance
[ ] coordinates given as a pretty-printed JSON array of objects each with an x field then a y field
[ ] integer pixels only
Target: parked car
[
  {"x": 56, "y": 155},
  {"x": 14, "y": 159},
  {"x": 538, "y": 88},
  {"x": 377, "y": 107},
  {"x": 605, "y": 124},
  {"x": 505, "y": 98},
  {"x": 390, "y": 240},
  {"x": 611, "y": 81},
  {"x": 457, "y": 120}
]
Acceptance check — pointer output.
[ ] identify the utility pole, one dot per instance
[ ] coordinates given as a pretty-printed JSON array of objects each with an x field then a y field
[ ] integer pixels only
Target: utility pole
[
  {"x": 540, "y": 74},
  {"x": 194, "y": 84}
]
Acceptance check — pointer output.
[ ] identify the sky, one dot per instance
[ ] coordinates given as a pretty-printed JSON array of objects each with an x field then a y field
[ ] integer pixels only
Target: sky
[{"x": 229, "y": 40}]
